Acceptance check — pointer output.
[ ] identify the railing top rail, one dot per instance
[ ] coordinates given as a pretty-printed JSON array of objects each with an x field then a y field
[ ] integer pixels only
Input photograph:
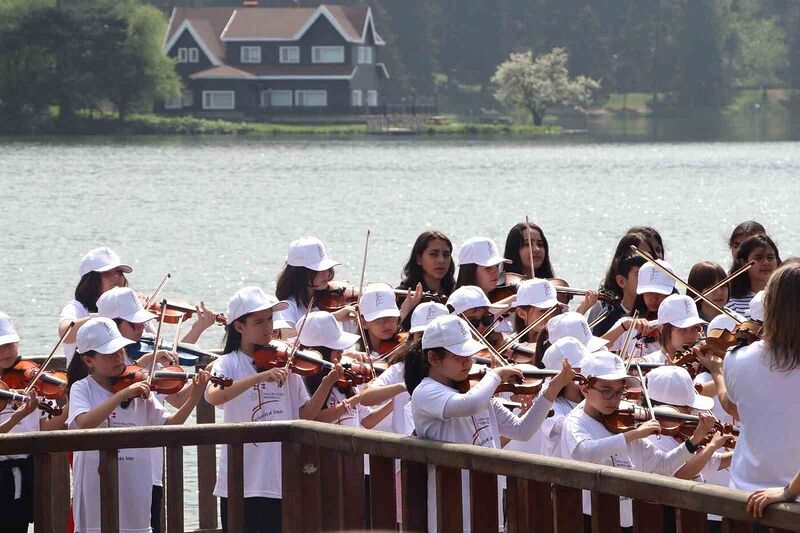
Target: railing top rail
[{"x": 610, "y": 480}]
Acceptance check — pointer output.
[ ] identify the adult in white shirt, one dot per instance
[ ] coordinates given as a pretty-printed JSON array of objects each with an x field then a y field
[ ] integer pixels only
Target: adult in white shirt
[{"x": 760, "y": 385}]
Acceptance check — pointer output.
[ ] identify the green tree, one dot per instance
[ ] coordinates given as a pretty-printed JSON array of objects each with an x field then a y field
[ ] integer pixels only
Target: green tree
[{"x": 536, "y": 84}]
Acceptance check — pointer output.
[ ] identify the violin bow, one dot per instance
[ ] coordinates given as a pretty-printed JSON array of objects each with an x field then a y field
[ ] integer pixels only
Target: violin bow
[
  {"x": 650, "y": 259},
  {"x": 530, "y": 247},
  {"x": 157, "y": 342},
  {"x": 624, "y": 351},
  {"x": 528, "y": 328},
  {"x": 43, "y": 367},
  {"x": 177, "y": 334},
  {"x": 155, "y": 294},
  {"x": 364, "y": 337},
  {"x": 727, "y": 280},
  {"x": 485, "y": 342},
  {"x": 296, "y": 344},
  {"x": 599, "y": 319},
  {"x": 646, "y": 395}
]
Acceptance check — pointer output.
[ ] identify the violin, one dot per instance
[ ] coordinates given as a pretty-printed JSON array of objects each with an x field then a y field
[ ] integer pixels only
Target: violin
[
  {"x": 564, "y": 292},
  {"x": 179, "y": 311},
  {"x": 744, "y": 334},
  {"x": 531, "y": 382},
  {"x": 387, "y": 346},
  {"x": 52, "y": 384},
  {"x": 168, "y": 380},
  {"x": 335, "y": 298},
  {"x": 7, "y": 395},
  {"x": 522, "y": 353}
]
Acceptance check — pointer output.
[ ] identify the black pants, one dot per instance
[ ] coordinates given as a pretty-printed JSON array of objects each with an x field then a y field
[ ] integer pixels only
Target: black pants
[
  {"x": 155, "y": 508},
  {"x": 261, "y": 515},
  {"x": 17, "y": 513}
]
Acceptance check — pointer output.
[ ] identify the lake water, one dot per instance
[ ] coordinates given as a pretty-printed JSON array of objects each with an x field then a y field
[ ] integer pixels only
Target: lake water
[{"x": 218, "y": 213}]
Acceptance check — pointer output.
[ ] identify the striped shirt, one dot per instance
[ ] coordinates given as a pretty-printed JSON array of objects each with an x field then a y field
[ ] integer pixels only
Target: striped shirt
[{"x": 741, "y": 305}]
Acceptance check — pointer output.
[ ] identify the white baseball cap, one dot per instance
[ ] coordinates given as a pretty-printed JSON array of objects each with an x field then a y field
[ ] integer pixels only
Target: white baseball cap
[
  {"x": 378, "y": 301},
  {"x": 250, "y": 300},
  {"x": 572, "y": 324},
  {"x": 568, "y": 348},
  {"x": 100, "y": 334},
  {"x": 608, "y": 366},
  {"x": 309, "y": 252},
  {"x": 451, "y": 333},
  {"x": 122, "y": 302},
  {"x": 469, "y": 297},
  {"x": 757, "y": 307},
  {"x": 674, "y": 385},
  {"x": 653, "y": 279},
  {"x": 680, "y": 311},
  {"x": 480, "y": 251},
  {"x": 322, "y": 329},
  {"x": 424, "y": 313},
  {"x": 7, "y": 332},
  {"x": 101, "y": 259},
  {"x": 723, "y": 321},
  {"x": 536, "y": 292}
]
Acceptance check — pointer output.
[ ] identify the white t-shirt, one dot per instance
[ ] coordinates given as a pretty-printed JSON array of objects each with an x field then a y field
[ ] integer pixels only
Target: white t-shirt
[
  {"x": 135, "y": 471},
  {"x": 553, "y": 426},
  {"x": 712, "y": 475},
  {"x": 585, "y": 439},
  {"x": 72, "y": 310},
  {"x": 296, "y": 311},
  {"x": 656, "y": 357},
  {"x": 392, "y": 376},
  {"x": 766, "y": 452},
  {"x": 264, "y": 402},
  {"x": 26, "y": 425}
]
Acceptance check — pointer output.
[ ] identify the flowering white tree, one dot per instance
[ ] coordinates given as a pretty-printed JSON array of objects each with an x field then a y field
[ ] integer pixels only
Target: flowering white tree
[{"x": 534, "y": 84}]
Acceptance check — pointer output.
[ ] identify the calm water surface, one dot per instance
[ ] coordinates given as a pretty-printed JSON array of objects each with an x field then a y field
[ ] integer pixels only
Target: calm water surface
[{"x": 218, "y": 213}]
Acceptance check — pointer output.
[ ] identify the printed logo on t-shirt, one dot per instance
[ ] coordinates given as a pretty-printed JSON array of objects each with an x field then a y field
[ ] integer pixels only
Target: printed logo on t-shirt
[
  {"x": 482, "y": 435},
  {"x": 268, "y": 404}
]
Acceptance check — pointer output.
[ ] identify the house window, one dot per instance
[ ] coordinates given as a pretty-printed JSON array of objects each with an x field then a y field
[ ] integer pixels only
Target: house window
[
  {"x": 365, "y": 54},
  {"x": 327, "y": 54},
  {"x": 219, "y": 100},
  {"x": 311, "y": 98},
  {"x": 276, "y": 98},
  {"x": 174, "y": 102},
  {"x": 188, "y": 98},
  {"x": 251, "y": 54},
  {"x": 355, "y": 98},
  {"x": 182, "y": 55},
  {"x": 290, "y": 54},
  {"x": 194, "y": 55},
  {"x": 372, "y": 98}
]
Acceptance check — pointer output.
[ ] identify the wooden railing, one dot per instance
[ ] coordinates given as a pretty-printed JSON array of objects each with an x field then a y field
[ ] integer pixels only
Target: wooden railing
[{"x": 323, "y": 482}]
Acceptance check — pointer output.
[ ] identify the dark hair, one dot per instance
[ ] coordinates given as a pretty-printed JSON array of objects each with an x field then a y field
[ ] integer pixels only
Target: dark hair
[
  {"x": 412, "y": 271},
  {"x": 609, "y": 284},
  {"x": 77, "y": 369},
  {"x": 417, "y": 366},
  {"x": 542, "y": 344},
  {"x": 313, "y": 382},
  {"x": 650, "y": 233},
  {"x": 293, "y": 282},
  {"x": 232, "y": 340},
  {"x": 644, "y": 312},
  {"x": 467, "y": 275},
  {"x": 740, "y": 286},
  {"x": 515, "y": 240},
  {"x": 89, "y": 289},
  {"x": 663, "y": 337},
  {"x": 748, "y": 227}
]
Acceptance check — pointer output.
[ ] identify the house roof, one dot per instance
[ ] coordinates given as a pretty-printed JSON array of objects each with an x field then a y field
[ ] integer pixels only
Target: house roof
[{"x": 277, "y": 72}]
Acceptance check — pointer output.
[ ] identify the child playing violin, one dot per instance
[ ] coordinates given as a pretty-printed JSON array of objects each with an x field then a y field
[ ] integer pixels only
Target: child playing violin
[
  {"x": 705, "y": 275},
  {"x": 95, "y": 401},
  {"x": 471, "y": 302},
  {"x": 680, "y": 324},
  {"x": 535, "y": 297},
  {"x": 258, "y": 395}
]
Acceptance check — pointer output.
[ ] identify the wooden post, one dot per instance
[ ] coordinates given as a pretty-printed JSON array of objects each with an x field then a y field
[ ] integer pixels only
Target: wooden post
[
  {"x": 235, "y": 487},
  {"x": 109, "y": 491},
  {"x": 690, "y": 521},
  {"x": 174, "y": 492},
  {"x": 353, "y": 491},
  {"x": 735, "y": 526},
  {"x": 568, "y": 506},
  {"x": 414, "y": 481},
  {"x": 302, "y": 504},
  {"x": 517, "y": 505},
  {"x": 541, "y": 506},
  {"x": 449, "y": 517},
  {"x": 605, "y": 512},
  {"x": 60, "y": 483},
  {"x": 484, "y": 514},
  {"x": 330, "y": 465},
  {"x": 647, "y": 517},
  {"x": 383, "y": 496},
  {"x": 206, "y": 472},
  {"x": 43, "y": 495}
]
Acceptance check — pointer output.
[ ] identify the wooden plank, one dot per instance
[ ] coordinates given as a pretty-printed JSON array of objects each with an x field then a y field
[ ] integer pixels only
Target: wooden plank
[
  {"x": 109, "y": 491},
  {"x": 517, "y": 505},
  {"x": 174, "y": 493},
  {"x": 541, "y": 506},
  {"x": 206, "y": 471},
  {"x": 235, "y": 487},
  {"x": 414, "y": 491},
  {"x": 449, "y": 517},
  {"x": 383, "y": 498},
  {"x": 568, "y": 507},
  {"x": 605, "y": 512},
  {"x": 61, "y": 485},
  {"x": 647, "y": 517},
  {"x": 42, "y": 493},
  {"x": 353, "y": 492},
  {"x": 484, "y": 514},
  {"x": 690, "y": 521},
  {"x": 736, "y": 526},
  {"x": 330, "y": 464},
  {"x": 302, "y": 504}
]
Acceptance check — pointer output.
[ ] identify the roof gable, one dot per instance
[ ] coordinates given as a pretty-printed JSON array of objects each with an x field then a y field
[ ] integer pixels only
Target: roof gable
[{"x": 213, "y": 52}]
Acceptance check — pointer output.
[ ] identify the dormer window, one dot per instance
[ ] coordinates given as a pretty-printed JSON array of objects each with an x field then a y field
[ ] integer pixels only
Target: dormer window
[
  {"x": 194, "y": 55},
  {"x": 366, "y": 54},
  {"x": 251, "y": 54},
  {"x": 327, "y": 54},
  {"x": 183, "y": 55}
]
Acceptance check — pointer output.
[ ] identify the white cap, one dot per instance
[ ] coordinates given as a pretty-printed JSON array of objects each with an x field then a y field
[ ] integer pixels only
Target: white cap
[
  {"x": 572, "y": 324},
  {"x": 723, "y": 321},
  {"x": 653, "y": 279},
  {"x": 378, "y": 301},
  {"x": 100, "y": 334},
  {"x": 680, "y": 311},
  {"x": 122, "y": 302},
  {"x": 568, "y": 348},
  {"x": 7, "y": 332},
  {"x": 322, "y": 329},
  {"x": 250, "y": 300},
  {"x": 608, "y": 366},
  {"x": 757, "y": 307},
  {"x": 309, "y": 252},
  {"x": 452, "y": 334},
  {"x": 101, "y": 259},
  {"x": 536, "y": 292},
  {"x": 480, "y": 251},
  {"x": 424, "y": 313},
  {"x": 674, "y": 385},
  {"x": 469, "y": 297}
]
